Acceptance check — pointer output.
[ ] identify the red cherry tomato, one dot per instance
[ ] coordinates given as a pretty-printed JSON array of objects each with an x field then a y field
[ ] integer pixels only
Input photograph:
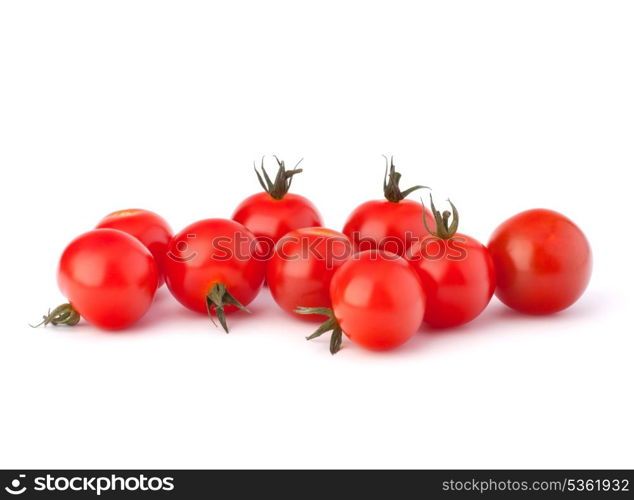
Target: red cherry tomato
[
  {"x": 393, "y": 224},
  {"x": 212, "y": 267},
  {"x": 149, "y": 228},
  {"x": 377, "y": 301},
  {"x": 109, "y": 278},
  {"x": 275, "y": 212},
  {"x": 302, "y": 265},
  {"x": 543, "y": 261},
  {"x": 456, "y": 271}
]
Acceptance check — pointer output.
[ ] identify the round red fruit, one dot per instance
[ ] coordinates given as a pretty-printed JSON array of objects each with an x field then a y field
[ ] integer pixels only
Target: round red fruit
[
  {"x": 273, "y": 213},
  {"x": 301, "y": 267},
  {"x": 213, "y": 267},
  {"x": 392, "y": 224},
  {"x": 377, "y": 301},
  {"x": 543, "y": 261},
  {"x": 109, "y": 278},
  {"x": 456, "y": 271},
  {"x": 148, "y": 227}
]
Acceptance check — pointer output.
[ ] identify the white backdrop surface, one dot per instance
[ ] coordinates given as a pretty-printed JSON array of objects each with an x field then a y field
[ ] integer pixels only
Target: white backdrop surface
[{"x": 501, "y": 105}]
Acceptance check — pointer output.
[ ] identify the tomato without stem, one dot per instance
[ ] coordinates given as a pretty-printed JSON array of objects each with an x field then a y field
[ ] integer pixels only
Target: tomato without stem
[
  {"x": 543, "y": 261},
  {"x": 393, "y": 224},
  {"x": 148, "y": 227},
  {"x": 109, "y": 278},
  {"x": 302, "y": 265},
  {"x": 275, "y": 212},
  {"x": 456, "y": 271},
  {"x": 212, "y": 267},
  {"x": 377, "y": 301}
]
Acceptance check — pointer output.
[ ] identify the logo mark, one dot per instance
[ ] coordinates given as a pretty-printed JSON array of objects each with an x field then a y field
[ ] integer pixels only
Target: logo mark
[{"x": 15, "y": 489}]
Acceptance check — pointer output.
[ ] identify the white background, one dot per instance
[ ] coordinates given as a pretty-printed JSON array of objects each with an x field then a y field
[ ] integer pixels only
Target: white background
[{"x": 501, "y": 105}]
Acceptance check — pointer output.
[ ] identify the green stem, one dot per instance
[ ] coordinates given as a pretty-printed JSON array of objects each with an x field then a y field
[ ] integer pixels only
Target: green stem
[
  {"x": 444, "y": 230},
  {"x": 391, "y": 180},
  {"x": 330, "y": 325},
  {"x": 283, "y": 179},
  {"x": 61, "y": 315},
  {"x": 217, "y": 298}
]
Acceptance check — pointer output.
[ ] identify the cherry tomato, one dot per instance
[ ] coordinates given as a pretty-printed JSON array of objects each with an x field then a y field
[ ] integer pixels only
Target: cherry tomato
[
  {"x": 543, "y": 261},
  {"x": 302, "y": 265},
  {"x": 149, "y": 228},
  {"x": 393, "y": 224},
  {"x": 377, "y": 301},
  {"x": 109, "y": 278},
  {"x": 275, "y": 212},
  {"x": 213, "y": 267},
  {"x": 456, "y": 271}
]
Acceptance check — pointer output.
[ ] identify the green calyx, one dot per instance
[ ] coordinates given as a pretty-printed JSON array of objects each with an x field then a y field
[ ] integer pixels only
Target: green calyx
[
  {"x": 444, "y": 230},
  {"x": 61, "y": 315},
  {"x": 330, "y": 325},
  {"x": 283, "y": 179},
  {"x": 217, "y": 298},
  {"x": 391, "y": 189}
]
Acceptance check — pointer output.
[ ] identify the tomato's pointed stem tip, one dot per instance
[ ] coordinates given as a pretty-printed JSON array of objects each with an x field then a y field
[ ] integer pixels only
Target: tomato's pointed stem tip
[
  {"x": 391, "y": 181},
  {"x": 61, "y": 315},
  {"x": 444, "y": 229},
  {"x": 283, "y": 179},
  {"x": 216, "y": 300},
  {"x": 330, "y": 325}
]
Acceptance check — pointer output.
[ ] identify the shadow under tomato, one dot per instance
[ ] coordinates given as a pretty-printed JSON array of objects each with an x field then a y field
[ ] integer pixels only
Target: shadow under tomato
[{"x": 497, "y": 319}]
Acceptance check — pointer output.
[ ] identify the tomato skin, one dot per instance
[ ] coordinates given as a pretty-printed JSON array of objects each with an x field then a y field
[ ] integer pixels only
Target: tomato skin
[
  {"x": 213, "y": 251},
  {"x": 270, "y": 219},
  {"x": 148, "y": 227},
  {"x": 458, "y": 278},
  {"x": 109, "y": 277},
  {"x": 377, "y": 299},
  {"x": 302, "y": 265},
  {"x": 543, "y": 261},
  {"x": 387, "y": 225}
]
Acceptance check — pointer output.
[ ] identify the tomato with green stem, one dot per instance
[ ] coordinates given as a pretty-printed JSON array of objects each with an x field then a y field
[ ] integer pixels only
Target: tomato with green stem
[
  {"x": 392, "y": 224},
  {"x": 146, "y": 226},
  {"x": 543, "y": 261},
  {"x": 456, "y": 271},
  {"x": 109, "y": 278},
  {"x": 273, "y": 213},
  {"x": 302, "y": 265},
  {"x": 377, "y": 301},
  {"x": 213, "y": 268}
]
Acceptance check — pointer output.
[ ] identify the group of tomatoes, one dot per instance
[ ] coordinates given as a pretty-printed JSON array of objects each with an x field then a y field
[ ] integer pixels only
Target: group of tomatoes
[{"x": 395, "y": 265}]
